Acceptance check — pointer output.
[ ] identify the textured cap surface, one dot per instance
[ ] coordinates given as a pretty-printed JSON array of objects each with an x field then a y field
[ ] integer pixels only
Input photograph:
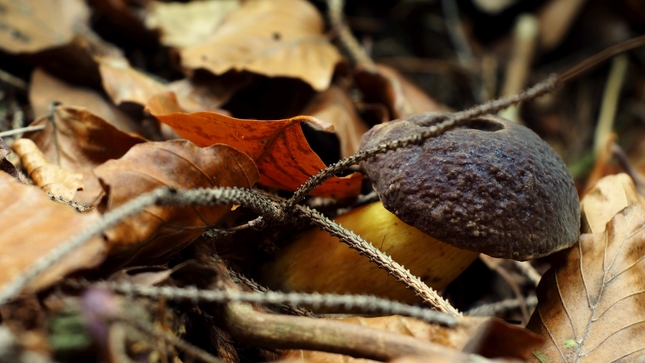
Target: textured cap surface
[{"x": 491, "y": 186}]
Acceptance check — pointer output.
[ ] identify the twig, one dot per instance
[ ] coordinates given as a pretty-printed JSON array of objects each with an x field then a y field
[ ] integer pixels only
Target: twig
[
  {"x": 502, "y": 306},
  {"x": 13, "y": 80},
  {"x": 452, "y": 121},
  {"x": 345, "y": 36},
  {"x": 610, "y": 102},
  {"x": 368, "y": 304},
  {"x": 253, "y": 285},
  {"x": 22, "y": 130},
  {"x": 217, "y": 196},
  {"x": 494, "y": 264},
  {"x": 526, "y": 33},
  {"x": 190, "y": 349},
  {"x": 529, "y": 271}
]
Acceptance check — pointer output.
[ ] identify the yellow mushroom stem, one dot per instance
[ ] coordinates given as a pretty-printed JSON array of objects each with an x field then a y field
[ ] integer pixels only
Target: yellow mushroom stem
[{"x": 318, "y": 262}]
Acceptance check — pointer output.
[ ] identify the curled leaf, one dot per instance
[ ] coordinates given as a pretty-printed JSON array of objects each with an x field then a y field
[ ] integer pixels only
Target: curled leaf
[
  {"x": 50, "y": 177},
  {"x": 278, "y": 147}
]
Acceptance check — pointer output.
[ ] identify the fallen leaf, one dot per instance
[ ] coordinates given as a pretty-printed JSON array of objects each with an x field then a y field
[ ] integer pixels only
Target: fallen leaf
[
  {"x": 591, "y": 301},
  {"x": 46, "y": 89},
  {"x": 126, "y": 84},
  {"x": 160, "y": 231},
  {"x": 50, "y": 177},
  {"x": 78, "y": 140},
  {"x": 29, "y": 26},
  {"x": 387, "y": 86},
  {"x": 610, "y": 195},
  {"x": 278, "y": 147},
  {"x": 33, "y": 226},
  {"x": 6, "y": 165},
  {"x": 279, "y": 38},
  {"x": 335, "y": 107},
  {"x": 170, "y": 20}
]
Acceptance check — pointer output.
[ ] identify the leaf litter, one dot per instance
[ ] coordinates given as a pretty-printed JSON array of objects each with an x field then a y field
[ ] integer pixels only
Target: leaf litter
[{"x": 189, "y": 74}]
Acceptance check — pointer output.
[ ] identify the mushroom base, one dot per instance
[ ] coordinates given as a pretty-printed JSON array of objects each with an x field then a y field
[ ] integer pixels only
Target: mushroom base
[{"x": 318, "y": 262}]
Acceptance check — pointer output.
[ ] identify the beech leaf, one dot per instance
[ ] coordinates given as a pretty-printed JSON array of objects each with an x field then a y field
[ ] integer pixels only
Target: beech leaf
[
  {"x": 335, "y": 105},
  {"x": 29, "y": 26},
  {"x": 279, "y": 148},
  {"x": 80, "y": 141},
  {"x": 591, "y": 301},
  {"x": 32, "y": 226},
  {"x": 160, "y": 231},
  {"x": 274, "y": 38}
]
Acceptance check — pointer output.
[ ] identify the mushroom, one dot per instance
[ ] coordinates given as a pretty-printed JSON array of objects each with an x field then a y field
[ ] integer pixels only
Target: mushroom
[{"x": 491, "y": 186}]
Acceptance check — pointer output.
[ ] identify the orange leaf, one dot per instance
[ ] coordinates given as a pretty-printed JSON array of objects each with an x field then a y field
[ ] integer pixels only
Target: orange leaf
[
  {"x": 278, "y": 147},
  {"x": 162, "y": 230},
  {"x": 32, "y": 226}
]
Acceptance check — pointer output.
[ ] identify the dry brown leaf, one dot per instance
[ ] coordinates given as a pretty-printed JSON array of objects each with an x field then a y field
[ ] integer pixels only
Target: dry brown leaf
[
  {"x": 6, "y": 165},
  {"x": 171, "y": 19},
  {"x": 162, "y": 230},
  {"x": 335, "y": 106},
  {"x": 46, "y": 89},
  {"x": 387, "y": 86},
  {"x": 29, "y": 26},
  {"x": 278, "y": 38},
  {"x": 50, "y": 177},
  {"x": 32, "y": 226},
  {"x": 80, "y": 141},
  {"x": 591, "y": 301},
  {"x": 610, "y": 195},
  {"x": 126, "y": 84}
]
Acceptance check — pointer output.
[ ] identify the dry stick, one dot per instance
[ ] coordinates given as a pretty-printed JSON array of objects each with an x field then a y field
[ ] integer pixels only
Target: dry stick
[
  {"x": 188, "y": 348},
  {"x": 291, "y": 332},
  {"x": 345, "y": 36},
  {"x": 253, "y": 285},
  {"x": 22, "y": 130},
  {"x": 502, "y": 306},
  {"x": 525, "y": 36},
  {"x": 461, "y": 117},
  {"x": 368, "y": 304},
  {"x": 161, "y": 196},
  {"x": 452, "y": 121}
]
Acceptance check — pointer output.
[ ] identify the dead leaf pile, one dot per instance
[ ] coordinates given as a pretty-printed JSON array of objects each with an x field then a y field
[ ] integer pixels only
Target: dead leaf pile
[{"x": 126, "y": 97}]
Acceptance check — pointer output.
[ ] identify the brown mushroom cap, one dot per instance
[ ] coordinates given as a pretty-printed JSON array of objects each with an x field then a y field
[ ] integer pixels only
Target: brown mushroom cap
[{"x": 491, "y": 186}]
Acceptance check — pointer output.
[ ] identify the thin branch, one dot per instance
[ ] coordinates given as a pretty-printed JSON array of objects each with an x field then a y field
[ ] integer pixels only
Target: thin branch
[
  {"x": 453, "y": 120},
  {"x": 162, "y": 196},
  {"x": 22, "y": 130},
  {"x": 368, "y": 304},
  {"x": 356, "y": 52},
  {"x": 253, "y": 285},
  {"x": 502, "y": 306},
  {"x": 188, "y": 348}
]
